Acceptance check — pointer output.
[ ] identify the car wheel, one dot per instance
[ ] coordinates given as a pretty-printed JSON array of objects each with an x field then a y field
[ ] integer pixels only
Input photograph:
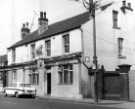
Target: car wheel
[{"x": 16, "y": 94}]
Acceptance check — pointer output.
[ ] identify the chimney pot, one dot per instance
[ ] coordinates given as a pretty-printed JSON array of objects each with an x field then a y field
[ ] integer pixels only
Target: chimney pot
[
  {"x": 23, "y": 26},
  {"x": 124, "y": 3},
  {"x": 25, "y": 30},
  {"x": 129, "y": 5},
  {"x": 45, "y": 15},
  {"x": 27, "y": 23},
  {"x": 41, "y": 15},
  {"x": 43, "y": 22}
]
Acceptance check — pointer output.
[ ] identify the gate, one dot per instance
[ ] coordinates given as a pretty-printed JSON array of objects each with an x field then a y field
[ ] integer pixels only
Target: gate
[{"x": 111, "y": 85}]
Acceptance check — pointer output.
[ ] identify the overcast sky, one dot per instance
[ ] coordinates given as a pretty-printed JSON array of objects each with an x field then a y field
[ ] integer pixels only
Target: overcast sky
[{"x": 15, "y": 12}]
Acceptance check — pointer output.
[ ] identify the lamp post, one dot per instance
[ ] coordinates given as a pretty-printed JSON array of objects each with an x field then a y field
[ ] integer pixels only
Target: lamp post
[
  {"x": 95, "y": 62},
  {"x": 91, "y": 6}
]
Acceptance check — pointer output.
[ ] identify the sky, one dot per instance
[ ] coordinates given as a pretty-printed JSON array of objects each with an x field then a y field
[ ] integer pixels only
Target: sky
[{"x": 16, "y": 12}]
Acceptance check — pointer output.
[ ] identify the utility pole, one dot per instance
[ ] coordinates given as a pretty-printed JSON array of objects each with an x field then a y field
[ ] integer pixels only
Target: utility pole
[{"x": 92, "y": 7}]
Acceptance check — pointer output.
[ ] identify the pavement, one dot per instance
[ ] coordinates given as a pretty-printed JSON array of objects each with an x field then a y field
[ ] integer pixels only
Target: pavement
[
  {"x": 80, "y": 100},
  {"x": 105, "y": 103},
  {"x": 62, "y": 101}
]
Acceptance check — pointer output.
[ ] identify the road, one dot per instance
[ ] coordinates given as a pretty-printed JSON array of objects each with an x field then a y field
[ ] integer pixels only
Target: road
[{"x": 40, "y": 103}]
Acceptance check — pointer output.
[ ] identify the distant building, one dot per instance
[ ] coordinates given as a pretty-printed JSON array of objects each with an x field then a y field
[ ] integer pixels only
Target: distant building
[{"x": 55, "y": 57}]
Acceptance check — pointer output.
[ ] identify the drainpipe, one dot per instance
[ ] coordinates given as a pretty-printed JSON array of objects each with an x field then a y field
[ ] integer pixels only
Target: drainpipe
[{"x": 80, "y": 64}]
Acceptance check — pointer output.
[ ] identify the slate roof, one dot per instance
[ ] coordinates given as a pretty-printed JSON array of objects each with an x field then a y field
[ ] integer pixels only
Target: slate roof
[{"x": 56, "y": 28}]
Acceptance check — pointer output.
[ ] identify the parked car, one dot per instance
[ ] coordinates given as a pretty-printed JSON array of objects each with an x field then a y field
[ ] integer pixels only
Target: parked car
[{"x": 18, "y": 89}]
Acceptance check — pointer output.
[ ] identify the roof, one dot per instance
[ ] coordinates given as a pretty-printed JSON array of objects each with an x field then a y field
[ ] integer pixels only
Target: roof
[{"x": 56, "y": 28}]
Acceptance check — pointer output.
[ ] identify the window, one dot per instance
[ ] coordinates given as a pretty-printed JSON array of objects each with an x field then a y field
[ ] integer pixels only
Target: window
[
  {"x": 32, "y": 51},
  {"x": 34, "y": 78},
  {"x": 65, "y": 73},
  {"x": 120, "y": 46},
  {"x": 13, "y": 54},
  {"x": 48, "y": 47},
  {"x": 66, "y": 43},
  {"x": 14, "y": 75},
  {"x": 115, "y": 19}
]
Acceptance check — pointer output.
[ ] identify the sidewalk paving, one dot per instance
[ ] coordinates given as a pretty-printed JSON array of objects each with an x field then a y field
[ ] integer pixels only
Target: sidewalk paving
[
  {"x": 106, "y": 103},
  {"x": 83, "y": 100}
]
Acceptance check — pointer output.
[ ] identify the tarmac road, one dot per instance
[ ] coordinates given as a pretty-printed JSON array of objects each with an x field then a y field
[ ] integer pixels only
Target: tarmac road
[{"x": 40, "y": 103}]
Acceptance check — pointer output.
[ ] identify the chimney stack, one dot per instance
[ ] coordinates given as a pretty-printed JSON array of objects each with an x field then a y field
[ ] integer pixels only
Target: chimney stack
[
  {"x": 124, "y": 3},
  {"x": 25, "y": 30},
  {"x": 43, "y": 22},
  {"x": 129, "y": 5}
]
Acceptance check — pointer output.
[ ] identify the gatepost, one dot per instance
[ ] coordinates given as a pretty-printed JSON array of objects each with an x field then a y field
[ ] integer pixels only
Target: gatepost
[{"x": 124, "y": 81}]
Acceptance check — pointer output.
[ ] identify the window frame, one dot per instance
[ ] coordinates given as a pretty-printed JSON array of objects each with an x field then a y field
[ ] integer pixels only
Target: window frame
[
  {"x": 33, "y": 50},
  {"x": 115, "y": 19},
  {"x": 34, "y": 78},
  {"x": 120, "y": 46},
  {"x": 14, "y": 75},
  {"x": 65, "y": 74},
  {"x": 66, "y": 42},
  {"x": 48, "y": 48},
  {"x": 13, "y": 55}
]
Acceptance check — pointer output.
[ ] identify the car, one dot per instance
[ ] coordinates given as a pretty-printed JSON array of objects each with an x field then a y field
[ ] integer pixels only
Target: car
[{"x": 18, "y": 89}]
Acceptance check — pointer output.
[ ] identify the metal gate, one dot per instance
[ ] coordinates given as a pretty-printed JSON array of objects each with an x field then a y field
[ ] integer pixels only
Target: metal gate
[{"x": 111, "y": 85}]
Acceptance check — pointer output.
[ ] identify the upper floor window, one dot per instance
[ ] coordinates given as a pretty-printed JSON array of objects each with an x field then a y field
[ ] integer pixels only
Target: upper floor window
[
  {"x": 13, "y": 55},
  {"x": 32, "y": 51},
  {"x": 115, "y": 18},
  {"x": 120, "y": 46},
  {"x": 65, "y": 73},
  {"x": 48, "y": 47},
  {"x": 66, "y": 43}
]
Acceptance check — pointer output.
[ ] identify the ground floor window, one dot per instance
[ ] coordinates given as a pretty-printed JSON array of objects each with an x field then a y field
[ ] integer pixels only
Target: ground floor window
[
  {"x": 14, "y": 75},
  {"x": 34, "y": 78},
  {"x": 65, "y": 73}
]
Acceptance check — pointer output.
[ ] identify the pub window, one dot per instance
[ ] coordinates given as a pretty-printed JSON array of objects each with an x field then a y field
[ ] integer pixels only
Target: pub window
[
  {"x": 34, "y": 78},
  {"x": 14, "y": 75},
  {"x": 65, "y": 73}
]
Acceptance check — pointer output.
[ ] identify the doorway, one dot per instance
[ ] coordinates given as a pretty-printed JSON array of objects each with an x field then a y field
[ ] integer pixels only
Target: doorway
[{"x": 48, "y": 83}]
